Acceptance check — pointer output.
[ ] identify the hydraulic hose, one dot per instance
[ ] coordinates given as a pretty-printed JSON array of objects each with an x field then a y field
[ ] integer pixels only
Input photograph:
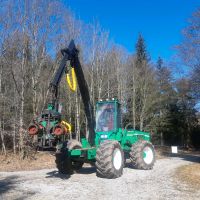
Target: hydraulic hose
[
  {"x": 67, "y": 125},
  {"x": 72, "y": 84}
]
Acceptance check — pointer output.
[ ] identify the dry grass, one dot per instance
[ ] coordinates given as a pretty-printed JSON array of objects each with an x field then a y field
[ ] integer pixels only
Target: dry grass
[
  {"x": 42, "y": 160},
  {"x": 162, "y": 152},
  {"x": 190, "y": 175}
]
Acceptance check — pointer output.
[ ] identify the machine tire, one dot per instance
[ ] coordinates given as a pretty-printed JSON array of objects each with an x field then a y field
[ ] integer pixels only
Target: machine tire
[
  {"x": 63, "y": 162},
  {"x": 109, "y": 159},
  {"x": 142, "y": 155},
  {"x": 75, "y": 144}
]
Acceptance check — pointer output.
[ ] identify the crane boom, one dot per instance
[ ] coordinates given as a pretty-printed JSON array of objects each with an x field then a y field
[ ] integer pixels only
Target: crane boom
[
  {"x": 71, "y": 54},
  {"x": 83, "y": 87}
]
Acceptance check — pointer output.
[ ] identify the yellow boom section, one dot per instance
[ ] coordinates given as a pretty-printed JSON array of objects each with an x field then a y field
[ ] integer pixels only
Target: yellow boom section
[
  {"x": 67, "y": 125},
  {"x": 72, "y": 84}
]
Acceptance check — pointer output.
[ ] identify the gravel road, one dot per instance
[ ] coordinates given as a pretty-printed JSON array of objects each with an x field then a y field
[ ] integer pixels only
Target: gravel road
[{"x": 158, "y": 183}]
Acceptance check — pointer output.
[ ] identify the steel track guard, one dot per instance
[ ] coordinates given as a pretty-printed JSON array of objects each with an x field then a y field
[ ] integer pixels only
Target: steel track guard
[{"x": 72, "y": 85}]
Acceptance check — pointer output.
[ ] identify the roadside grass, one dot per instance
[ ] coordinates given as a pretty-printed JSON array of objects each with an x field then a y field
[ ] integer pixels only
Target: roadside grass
[
  {"x": 162, "y": 152},
  {"x": 12, "y": 162},
  {"x": 189, "y": 175}
]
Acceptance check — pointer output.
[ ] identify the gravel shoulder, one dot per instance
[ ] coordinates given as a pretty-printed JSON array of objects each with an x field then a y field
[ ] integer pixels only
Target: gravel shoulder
[{"x": 47, "y": 184}]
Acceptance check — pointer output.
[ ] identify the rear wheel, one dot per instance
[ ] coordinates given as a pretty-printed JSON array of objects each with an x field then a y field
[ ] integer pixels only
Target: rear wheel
[
  {"x": 142, "y": 155},
  {"x": 109, "y": 159},
  {"x": 63, "y": 162}
]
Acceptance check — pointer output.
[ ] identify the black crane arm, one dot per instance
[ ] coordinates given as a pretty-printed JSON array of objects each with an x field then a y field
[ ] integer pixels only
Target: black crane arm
[
  {"x": 71, "y": 54},
  {"x": 56, "y": 81},
  {"x": 83, "y": 87}
]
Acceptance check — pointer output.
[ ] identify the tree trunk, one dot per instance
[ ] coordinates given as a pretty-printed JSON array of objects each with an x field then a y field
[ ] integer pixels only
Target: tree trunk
[
  {"x": 133, "y": 102},
  {"x": 3, "y": 150},
  {"x": 2, "y": 115},
  {"x": 161, "y": 139}
]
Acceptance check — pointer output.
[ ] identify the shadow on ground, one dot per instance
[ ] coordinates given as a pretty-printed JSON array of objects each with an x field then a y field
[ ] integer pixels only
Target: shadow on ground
[
  {"x": 56, "y": 174},
  {"x": 7, "y": 184},
  {"x": 9, "y": 190},
  {"x": 185, "y": 156},
  {"x": 87, "y": 170},
  {"x": 191, "y": 157},
  {"x": 84, "y": 170}
]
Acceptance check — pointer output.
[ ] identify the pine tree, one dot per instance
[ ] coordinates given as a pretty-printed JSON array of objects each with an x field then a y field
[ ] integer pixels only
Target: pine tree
[
  {"x": 159, "y": 63},
  {"x": 143, "y": 86},
  {"x": 164, "y": 79},
  {"x": 141, "y": 53}
]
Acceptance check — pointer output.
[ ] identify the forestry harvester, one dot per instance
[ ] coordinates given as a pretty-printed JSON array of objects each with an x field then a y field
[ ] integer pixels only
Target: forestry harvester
[{"x": 107, "y": 141}]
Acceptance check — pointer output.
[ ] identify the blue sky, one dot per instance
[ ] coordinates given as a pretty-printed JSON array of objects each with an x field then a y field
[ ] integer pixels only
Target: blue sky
[{"x": 160, "y": 21}]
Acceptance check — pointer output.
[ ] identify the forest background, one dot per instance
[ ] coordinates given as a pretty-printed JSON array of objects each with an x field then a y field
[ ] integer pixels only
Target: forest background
[{"x": 153, "y": 97}]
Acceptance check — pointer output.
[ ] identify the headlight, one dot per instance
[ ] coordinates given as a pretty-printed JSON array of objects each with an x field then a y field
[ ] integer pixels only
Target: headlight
[{"x": 104, "y": 136}]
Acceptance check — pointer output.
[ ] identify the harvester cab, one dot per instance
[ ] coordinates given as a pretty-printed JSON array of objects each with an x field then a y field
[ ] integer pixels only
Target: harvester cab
[{"x": 108, "y": 119}]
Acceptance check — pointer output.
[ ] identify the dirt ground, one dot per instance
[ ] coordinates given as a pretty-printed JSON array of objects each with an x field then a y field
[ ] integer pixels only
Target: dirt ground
[
  {"x": 41, "y": 160},
  {"x": 165, "y": 181}
]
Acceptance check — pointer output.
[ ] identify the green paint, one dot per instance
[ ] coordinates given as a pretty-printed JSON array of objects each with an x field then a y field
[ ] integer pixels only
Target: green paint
[
  {"x": 108, "y": 127},
  {"x": 144, "y": 155},
  {"x": 91, "y": 154},
  {"x": 85, "y": 143},
  {"x": 50, "y": 106},
  {"x": 75, "y": 152}
]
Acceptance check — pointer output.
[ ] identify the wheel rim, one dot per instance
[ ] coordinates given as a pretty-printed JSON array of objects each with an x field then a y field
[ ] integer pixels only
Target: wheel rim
[
  {"x": 148, "y": 155},
  {"x": 117, "y": 159}
]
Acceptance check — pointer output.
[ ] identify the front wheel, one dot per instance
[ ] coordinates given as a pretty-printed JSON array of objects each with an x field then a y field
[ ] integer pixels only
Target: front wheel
[
  {"x": 142, "y": 155},
  {"x": 75, "y": 144},
  {"x": 109, "y": 159},
  {"x": 64, "y": 162}
]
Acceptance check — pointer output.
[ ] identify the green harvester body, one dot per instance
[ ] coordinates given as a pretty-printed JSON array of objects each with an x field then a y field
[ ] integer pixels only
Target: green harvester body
[{"x": 108, "y": 127}]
